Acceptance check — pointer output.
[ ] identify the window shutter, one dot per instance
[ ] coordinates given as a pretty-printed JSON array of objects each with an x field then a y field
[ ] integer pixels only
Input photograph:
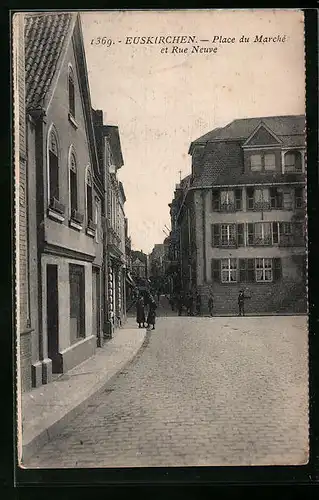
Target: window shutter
[
  {"x": 277, "y": 269},
  {"x": 238, "y": 199},
  {"x": 273, "y": 197},
  {"x": 240, "y": 235},
  {"x": 216, "y": 270},
  {"x": 250, "y": 198},
  {"x": 215, "y": 200},
  {"x": 250, "y": 238},
  {"x": 275, "y": 234},
  {"x": 243, "y": 270},
  {"x": 251, "y": 270},
  {"x": 215, "y": 235}
]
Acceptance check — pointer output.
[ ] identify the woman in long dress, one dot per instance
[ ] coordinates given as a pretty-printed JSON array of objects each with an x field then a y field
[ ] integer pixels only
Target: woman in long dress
[
  {"x": 151, "y": 314},
  {"x": 140, "y": 313}
]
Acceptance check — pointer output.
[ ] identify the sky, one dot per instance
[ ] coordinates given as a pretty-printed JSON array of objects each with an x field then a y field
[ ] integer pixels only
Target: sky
[{"x": 161, "y": 102}]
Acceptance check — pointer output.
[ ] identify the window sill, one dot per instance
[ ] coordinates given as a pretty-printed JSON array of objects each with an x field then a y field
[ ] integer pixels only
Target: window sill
[
  {"x": 52, "y": 214},
  {"x": 75, "y": 225},
  {"x": 72, "y": 121},
  {"x": 90, "y": 232}
]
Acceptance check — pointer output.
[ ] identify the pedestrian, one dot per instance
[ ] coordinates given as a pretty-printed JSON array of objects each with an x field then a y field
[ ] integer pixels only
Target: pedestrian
[
  {"x": 140, "y": 312},
  {"x": 211, "y": 304},
  {"x": 198, "y": 304},
  {"x": 241, "y": 303},
  {"x": 151, "y": 314},
  {"x": 180, "y": 304},
  {"x": 190, "y": 308}
]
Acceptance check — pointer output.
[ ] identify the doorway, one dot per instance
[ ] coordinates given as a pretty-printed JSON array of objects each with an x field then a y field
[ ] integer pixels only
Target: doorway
[
  {"x": 96, "y": 305},
  {"x": 53, "y": 318}
]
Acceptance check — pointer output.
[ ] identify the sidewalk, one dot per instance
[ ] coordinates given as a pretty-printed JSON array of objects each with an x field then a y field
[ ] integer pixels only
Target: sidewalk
[{"x": 47, "y": 409}]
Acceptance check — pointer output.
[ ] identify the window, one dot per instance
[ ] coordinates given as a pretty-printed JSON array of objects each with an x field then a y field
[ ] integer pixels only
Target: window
[
  {"x": 287, "y": 200},
  {"x": 291, "y": 233},
  {"x": 240, "y": 234},
  {"x": 276, "y": 198},
  {"x": 89, "y": 198},
  {"x": 77, "y": 302},
  {"x": 73, "y": 185},
  {"x": 227, "y": 200},
  {"x": 71, "y": 93},
  {"x": 53, "y": 167},
  {"x": 258, "y": 199},
  {"x": 255, "y": 163},
  {"x": 228, "y": 270},
  {"x": 270, "y": 162},
  {"x": 292, "y": 162},
  {"x": 259, "y": 233},
  {"x": 298, "y": 197},
  {"x": 227, "y": 234},
  {"x": 264, "y": 270}
]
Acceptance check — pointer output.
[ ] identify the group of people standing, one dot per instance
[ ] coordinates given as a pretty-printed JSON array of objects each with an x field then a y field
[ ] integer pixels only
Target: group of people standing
[
  {"x": 191, "y": 302},
  {"x": 141, "y": 319}
]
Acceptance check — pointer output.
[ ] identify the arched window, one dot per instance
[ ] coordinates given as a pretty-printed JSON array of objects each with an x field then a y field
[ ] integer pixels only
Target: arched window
[
  {"x": 73, "y": 184},
  {"x": 53, "y": 169},
  {"x": 292, "y": 161},
  {"x": 71, "y": 93},
  {"x": 89, "y": 197}
]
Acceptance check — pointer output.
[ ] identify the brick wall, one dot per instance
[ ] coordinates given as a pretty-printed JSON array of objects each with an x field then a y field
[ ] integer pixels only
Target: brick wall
[{"x": 25, "y": 361}]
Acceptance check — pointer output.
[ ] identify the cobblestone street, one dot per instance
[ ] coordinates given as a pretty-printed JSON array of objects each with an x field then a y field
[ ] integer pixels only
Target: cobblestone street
[{"x": 204, "y": 391}]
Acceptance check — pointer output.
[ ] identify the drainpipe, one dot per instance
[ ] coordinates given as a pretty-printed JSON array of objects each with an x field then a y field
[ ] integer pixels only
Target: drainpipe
[{"x": 204, "y": 237}]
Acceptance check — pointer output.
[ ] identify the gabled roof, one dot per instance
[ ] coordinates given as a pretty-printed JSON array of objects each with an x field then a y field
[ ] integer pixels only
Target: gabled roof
[
  {"x": 223, "y": 156},
  {"x": 115, "y": 143},
  {"x": 46, "y": 36},
  {"x": 284, "y": 127}
]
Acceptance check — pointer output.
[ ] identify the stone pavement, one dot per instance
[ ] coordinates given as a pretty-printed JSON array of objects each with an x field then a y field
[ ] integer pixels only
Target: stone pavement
[
  {"x": 204, "y": 391},
  {"x": 47, "y": 409}
]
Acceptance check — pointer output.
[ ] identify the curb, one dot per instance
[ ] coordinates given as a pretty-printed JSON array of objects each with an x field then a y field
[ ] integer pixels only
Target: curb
[{"x": 30, "y": 449}]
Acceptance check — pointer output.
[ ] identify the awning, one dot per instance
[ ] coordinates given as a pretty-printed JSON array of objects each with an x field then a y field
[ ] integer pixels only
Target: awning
[{"x": 130, "y": 279}]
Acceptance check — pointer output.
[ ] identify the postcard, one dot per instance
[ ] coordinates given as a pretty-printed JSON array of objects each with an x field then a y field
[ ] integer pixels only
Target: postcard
[{"x": 161, "y": 238}]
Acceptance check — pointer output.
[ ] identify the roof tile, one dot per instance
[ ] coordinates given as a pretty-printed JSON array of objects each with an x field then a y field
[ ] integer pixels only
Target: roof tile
[{"x": 45, "y": 36}]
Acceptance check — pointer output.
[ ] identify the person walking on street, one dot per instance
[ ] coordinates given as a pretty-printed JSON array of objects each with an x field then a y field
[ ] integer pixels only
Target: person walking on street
[
  {"x": 151, "y": 314},
  {"x": 198, "y": 304},
  {"x": 241, "y": 303},
  {"x": 140, "y": 312},
  {"x": 211, "y": 304},
  {"x": 180, "y": 304},
  {"x": 190, "y": 301}
]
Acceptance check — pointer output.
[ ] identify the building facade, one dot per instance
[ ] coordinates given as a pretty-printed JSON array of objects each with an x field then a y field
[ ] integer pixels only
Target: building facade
[
  {"x": 114, "y": 223},
  {"x": 242, "y": 221},
  {"x": 64, "y": 199}
]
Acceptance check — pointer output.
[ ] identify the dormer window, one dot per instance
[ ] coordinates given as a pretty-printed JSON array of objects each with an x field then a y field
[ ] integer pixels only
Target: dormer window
[
  {"x": 255, "y": 163},
  {"x": 292, "y": 162},
  {"x": 263, "y": 162},
  {"x": 71, "y": 93}
]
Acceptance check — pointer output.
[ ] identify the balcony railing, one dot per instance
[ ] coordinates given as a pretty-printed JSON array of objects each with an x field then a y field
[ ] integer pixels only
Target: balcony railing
[
  {"x": 227, "y": 207},
  {"x": 260, "y": 206},
  {"x": 291, "y": 240},
  {"x": 228, "y": 243},
  {"x": 259, "y": 241}
]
